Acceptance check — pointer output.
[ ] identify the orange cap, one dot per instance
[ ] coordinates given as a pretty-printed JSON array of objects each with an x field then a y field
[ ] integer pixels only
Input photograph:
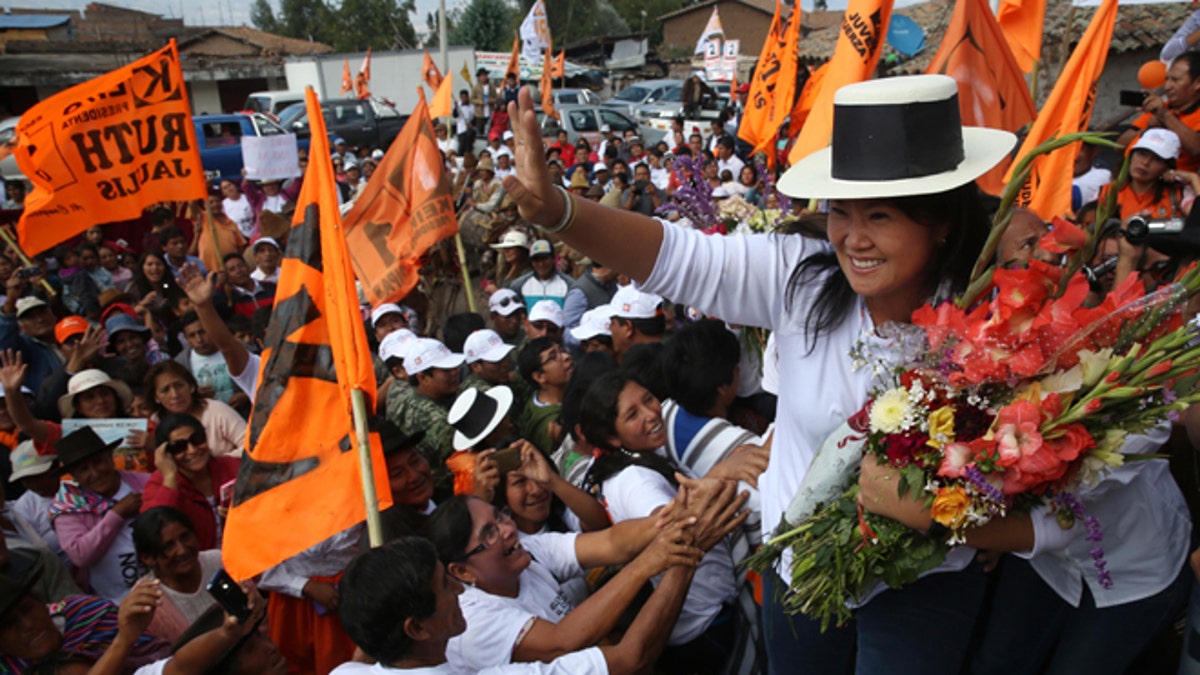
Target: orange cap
[{"x": 70, "y": 326}]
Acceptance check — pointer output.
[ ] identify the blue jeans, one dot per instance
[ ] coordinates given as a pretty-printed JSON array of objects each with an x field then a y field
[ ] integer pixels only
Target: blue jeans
[
  {"x": 922, "y": 628},
  {"x": 795, "y": 643},
  {"x": 1030, "y": 629}
]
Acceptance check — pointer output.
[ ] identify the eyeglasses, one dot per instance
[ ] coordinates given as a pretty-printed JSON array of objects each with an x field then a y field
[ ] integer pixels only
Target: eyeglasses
[
  {"x": 554, "y": 354},
  {"x": 180, "y": 446},
  {"x": 549, "y": 327},
  {"x": 488, "y": 536}
]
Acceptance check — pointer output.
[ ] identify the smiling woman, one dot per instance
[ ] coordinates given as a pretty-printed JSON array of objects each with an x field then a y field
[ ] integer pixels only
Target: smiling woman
[{"x": 167, "y": 545}]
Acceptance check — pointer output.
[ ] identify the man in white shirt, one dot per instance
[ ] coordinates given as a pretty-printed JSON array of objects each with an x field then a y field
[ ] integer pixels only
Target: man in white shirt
[
  {"x": 504, "y": 166},
  {"x": 267, "y": 256},
  {"x": 726, "y": 160}
]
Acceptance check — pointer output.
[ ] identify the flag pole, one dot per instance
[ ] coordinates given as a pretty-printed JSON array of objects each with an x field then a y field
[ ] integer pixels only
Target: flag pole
[
  {"x": 358, "y": 404},
  {"x": 12, "y": 243}
]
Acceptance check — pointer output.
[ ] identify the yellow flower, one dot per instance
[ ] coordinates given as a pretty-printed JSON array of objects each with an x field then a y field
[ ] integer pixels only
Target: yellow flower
[
  {"x": 889, "y": 410},
  {"x": 941, "y": 427},
  {"x": 950, "y": 506},
  {"x": 1095, "y": 365}
]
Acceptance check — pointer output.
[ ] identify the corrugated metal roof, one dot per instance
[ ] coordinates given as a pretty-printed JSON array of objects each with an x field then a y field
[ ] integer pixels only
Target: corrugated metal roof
[{"x": 33, "y": 21}]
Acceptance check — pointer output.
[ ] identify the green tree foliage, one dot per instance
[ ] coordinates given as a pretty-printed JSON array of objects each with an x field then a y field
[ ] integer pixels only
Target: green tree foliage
[
  {"x": 631, "y": 11},
  {"x": 349, "y": 26},
  {"x": 486, "y": 25}
]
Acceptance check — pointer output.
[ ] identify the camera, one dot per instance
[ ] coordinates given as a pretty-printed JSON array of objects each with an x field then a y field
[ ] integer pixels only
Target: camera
[{"x": 1138, "y": 228}]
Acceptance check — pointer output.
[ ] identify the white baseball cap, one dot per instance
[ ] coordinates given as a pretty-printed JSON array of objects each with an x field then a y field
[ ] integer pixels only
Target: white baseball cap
[
  {"x": 508, "y": 135},
  {"x": 594, "y": 322},
  {"x": 29, "y": 302},
  {"x": 485, "y": 345},
  {"x": 266, "y": 240},
  {"x": 27, "y": 462},
  {"x": 540, "y": 247},
  {"x": 599, "y": 166},
  {"x": 547, "y": 310},
  {"x": 426, "y": 353},
  {"x": 630, "y": 303},
  {"x": 1162, "y": 142},
  {"x": 512, "y": 239},
  {"x": 397, "y": 344},
  {"x": 505, "y": 301},
  {"x": 385, "y": 309}
]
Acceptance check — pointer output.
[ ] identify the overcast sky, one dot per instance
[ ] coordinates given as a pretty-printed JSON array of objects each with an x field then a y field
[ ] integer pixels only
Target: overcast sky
[{"x": 237, "y": 12}]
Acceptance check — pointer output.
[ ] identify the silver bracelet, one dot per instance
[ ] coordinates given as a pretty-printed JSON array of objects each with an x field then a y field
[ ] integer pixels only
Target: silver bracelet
[{"x": 568, "y": 216}]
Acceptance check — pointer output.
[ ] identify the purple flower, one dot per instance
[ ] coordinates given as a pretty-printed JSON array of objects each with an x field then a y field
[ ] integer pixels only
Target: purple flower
[{"x": 1094, "y": 534}]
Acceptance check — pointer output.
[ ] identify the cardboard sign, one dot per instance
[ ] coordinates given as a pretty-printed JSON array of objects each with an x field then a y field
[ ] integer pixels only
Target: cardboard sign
[
  {"x": 270, "y": 157},
  {"x": 125, "y": 457}
]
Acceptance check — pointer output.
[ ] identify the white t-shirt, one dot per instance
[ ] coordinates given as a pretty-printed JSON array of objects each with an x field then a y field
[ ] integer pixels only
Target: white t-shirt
[
  {"x": 118, "y": 569},
  {"x": 259, "y": 275},
  {"x": 584, "y": 662},
  {"x": 211, "y": 371},
  {"x": 276, "y": 203},
  {"x": 241, "y": 213},
  {"x": 635, "y": 493},
  {"x": 248, "y": 378},
  {"x": 494, "y": 622}
]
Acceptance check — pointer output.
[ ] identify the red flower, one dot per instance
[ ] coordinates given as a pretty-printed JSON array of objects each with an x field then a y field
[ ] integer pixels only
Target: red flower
[
  {"x": 901, "y": 449},
  {"x": 1063, "y": 237}
]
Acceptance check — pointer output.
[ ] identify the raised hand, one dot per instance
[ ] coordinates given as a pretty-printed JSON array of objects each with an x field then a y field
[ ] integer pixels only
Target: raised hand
[
  {"x": 137, "y": 609},
  {"x": 533, "y": 464},
  {"x": 537, "y": 201},
  {"x": 12, "y": 371},
  {"x": 198, "y": 288},
  {"x": 673, "y": 546}
]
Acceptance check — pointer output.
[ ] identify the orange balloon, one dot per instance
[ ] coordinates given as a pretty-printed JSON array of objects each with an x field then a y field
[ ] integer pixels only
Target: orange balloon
[{"x": 1152, "y": 74}]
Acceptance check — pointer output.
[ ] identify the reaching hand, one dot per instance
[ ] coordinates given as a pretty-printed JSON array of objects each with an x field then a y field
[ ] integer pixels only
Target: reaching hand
[
  {"x": 12, "y": 370},
  {"x": 537, "y": 201},
  {"x": 673, "y": 546},
  {"x": 487, "y": 475},
  {"x": 137, "y": 609},
  {"x": 533, "y": 464},
  {"x": 86, "y": 350},
  {"x": 745, "y": 463},
  {"x": 715, "y": 504},
  {"x": 198, "y": 288}
]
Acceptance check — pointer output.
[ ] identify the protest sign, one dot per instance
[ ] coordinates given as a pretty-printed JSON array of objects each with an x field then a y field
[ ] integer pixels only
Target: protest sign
[
  {"x": 125, "y": 457},
  {"x": 270, "y": 157}
]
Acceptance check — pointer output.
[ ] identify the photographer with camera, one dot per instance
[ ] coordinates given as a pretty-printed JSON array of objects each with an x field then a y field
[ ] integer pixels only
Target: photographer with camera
[{"x": 642, "y": 196}]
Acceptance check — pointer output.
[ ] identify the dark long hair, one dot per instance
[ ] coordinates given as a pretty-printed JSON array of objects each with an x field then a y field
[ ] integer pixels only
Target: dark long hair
[
  {"x": 598, "y": 421},
  {"x": 960, "y": 208},
  {"x": 166, "y": 287}
]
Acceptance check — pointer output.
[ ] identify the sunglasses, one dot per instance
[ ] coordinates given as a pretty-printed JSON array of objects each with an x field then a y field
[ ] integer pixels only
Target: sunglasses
[
  {"x": 547, "y": 326},
  {"x": 180, "y": 446},
  {"x": 506, "y": 303}
]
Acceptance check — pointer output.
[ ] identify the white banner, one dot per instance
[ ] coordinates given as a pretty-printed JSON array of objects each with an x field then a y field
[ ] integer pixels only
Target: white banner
[
  {"x": 712, "y": 60},
  {"x": 270, "y": 157},
  {"x": 535, "y": 31},
  {"x": 712, "y": 30},
  {"x": 729, "y": 59},
  {"x": 128, "y": 458}
]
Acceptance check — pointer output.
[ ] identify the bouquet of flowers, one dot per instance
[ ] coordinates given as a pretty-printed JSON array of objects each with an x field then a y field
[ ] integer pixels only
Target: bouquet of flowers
[
  {"x": 694, "y": 200},
  {"x": 993, "y": 407}
]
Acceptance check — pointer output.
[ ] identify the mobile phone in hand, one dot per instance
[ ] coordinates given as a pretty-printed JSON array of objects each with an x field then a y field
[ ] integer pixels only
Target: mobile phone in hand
[
  {"x": 229, "y": 595},
  {"x": 226, "y": 493},
  {"x": 508, "y": 459}
]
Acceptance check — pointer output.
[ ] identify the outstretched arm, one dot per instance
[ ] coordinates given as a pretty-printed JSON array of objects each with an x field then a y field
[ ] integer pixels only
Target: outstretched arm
[{"x": 200, "y": 290}]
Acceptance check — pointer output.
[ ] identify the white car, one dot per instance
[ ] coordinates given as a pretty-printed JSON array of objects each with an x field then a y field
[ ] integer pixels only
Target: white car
[{"x": 8, "y": 166}]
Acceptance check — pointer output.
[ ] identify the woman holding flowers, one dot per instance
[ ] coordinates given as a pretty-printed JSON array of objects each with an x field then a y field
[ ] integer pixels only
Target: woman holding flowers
[{"x": 905, "y": 224}]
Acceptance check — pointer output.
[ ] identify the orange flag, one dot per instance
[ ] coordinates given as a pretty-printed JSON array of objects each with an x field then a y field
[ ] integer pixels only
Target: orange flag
[
  {"x": 547, "y": 87},
  {"x": 300, "y": 482},
  {"x": 443, "y": 98},
  {"x": 991, "y": 90},
  {"x": 347, "y": 81},
  {"x": 559, "y": 68},
  {"x": 514, "y": 61},
  {"x": 806, "y": 100},
  {"x": 362, "y": 83},
  {"x": 762, "y": 85},
  {"x": 1021, "y": 21},
  {"x": 785, "y": 87},
  {"x": 404, "y": 209},
  {"x": 106, "y": 149},
  {"x": 430, "y": 73},
  {"x": 854, "y": 60},
  {"x": 1067, "y": 110}
]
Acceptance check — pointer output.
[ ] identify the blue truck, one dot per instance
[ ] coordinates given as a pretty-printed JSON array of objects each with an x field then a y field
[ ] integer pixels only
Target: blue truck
[{"x": 219, "y": 138}]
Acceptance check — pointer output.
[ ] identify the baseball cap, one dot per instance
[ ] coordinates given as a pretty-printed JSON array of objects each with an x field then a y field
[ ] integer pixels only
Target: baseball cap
[
  {"x": 27, "y": 462},
  {"x": 593, "y": 323},
  {"x": 630, "y": 303},
  {"x": 599, "y": 166},
  {"x": 426, "y": 353},
  {"x": 485, "y": 345},
  {"x": 505, "y": 301},
  {"x": 508, "y": 135},
  {"x": 266, "y": 240},
  {"x": 1162, "y": 142},
  {"x": 29, "y": 302},
  {"x": 339, "y": 141},
  {"x": 547, "y": 310},
  {"x": 396, "y": 344},
  {"x": 377, "y": 154},
  {"x": 511, "y": 239},
  {"x": 743, "y": 89},
  {"x": 604, "y": 128},
  {"x": 385, "y": 309},
  {"x": 540, "y": 247},
  {"x": 70, "y": 327}
]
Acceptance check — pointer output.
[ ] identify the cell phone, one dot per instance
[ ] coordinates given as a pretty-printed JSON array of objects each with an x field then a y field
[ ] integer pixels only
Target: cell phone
[
  {"x": 227, "y": 493},
  {"x": 1132, "y": 98},
  {"x": 229, "y": 595},
  {"x": 508, "y": 459},
  {"x": 28, "y": 272}
]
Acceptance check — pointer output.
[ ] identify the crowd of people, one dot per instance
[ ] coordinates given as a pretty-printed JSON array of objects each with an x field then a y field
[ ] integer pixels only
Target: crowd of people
[{"x": 577, "y": 472}]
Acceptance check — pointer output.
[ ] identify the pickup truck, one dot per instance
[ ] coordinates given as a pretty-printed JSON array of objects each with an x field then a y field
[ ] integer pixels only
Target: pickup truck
[
  {"x": 363, "y": 123},
  {"x": 219, "y": 138}
]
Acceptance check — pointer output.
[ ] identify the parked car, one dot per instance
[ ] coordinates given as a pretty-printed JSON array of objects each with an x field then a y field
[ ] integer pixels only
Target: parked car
[
  {"x": 8, "y": 166},
  {"x": 369, "y": 123},
  {"x": 272, "y": 102},
  {"x": 219, "y": 138},
  {"x": 659, "y": 102},
  {"x": 569, "y": 96},
  {"x": 635, "y": 97},
  {"x": 584, "y": 121}
]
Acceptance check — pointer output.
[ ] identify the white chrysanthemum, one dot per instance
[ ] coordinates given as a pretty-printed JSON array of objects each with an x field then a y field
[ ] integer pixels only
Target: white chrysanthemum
[{"x": 889, "y": 411}]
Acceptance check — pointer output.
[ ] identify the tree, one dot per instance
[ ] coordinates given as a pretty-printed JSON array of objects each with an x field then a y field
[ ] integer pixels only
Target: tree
[
  {"x": 639, "y": 13},
  {"x": 431, "y": 26},
  {"x": 263, "y": 17},
  {"x": 307, "y": 20},
  {"x": 378, "y": 24},
  {"x": 487, "y": 25}
]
